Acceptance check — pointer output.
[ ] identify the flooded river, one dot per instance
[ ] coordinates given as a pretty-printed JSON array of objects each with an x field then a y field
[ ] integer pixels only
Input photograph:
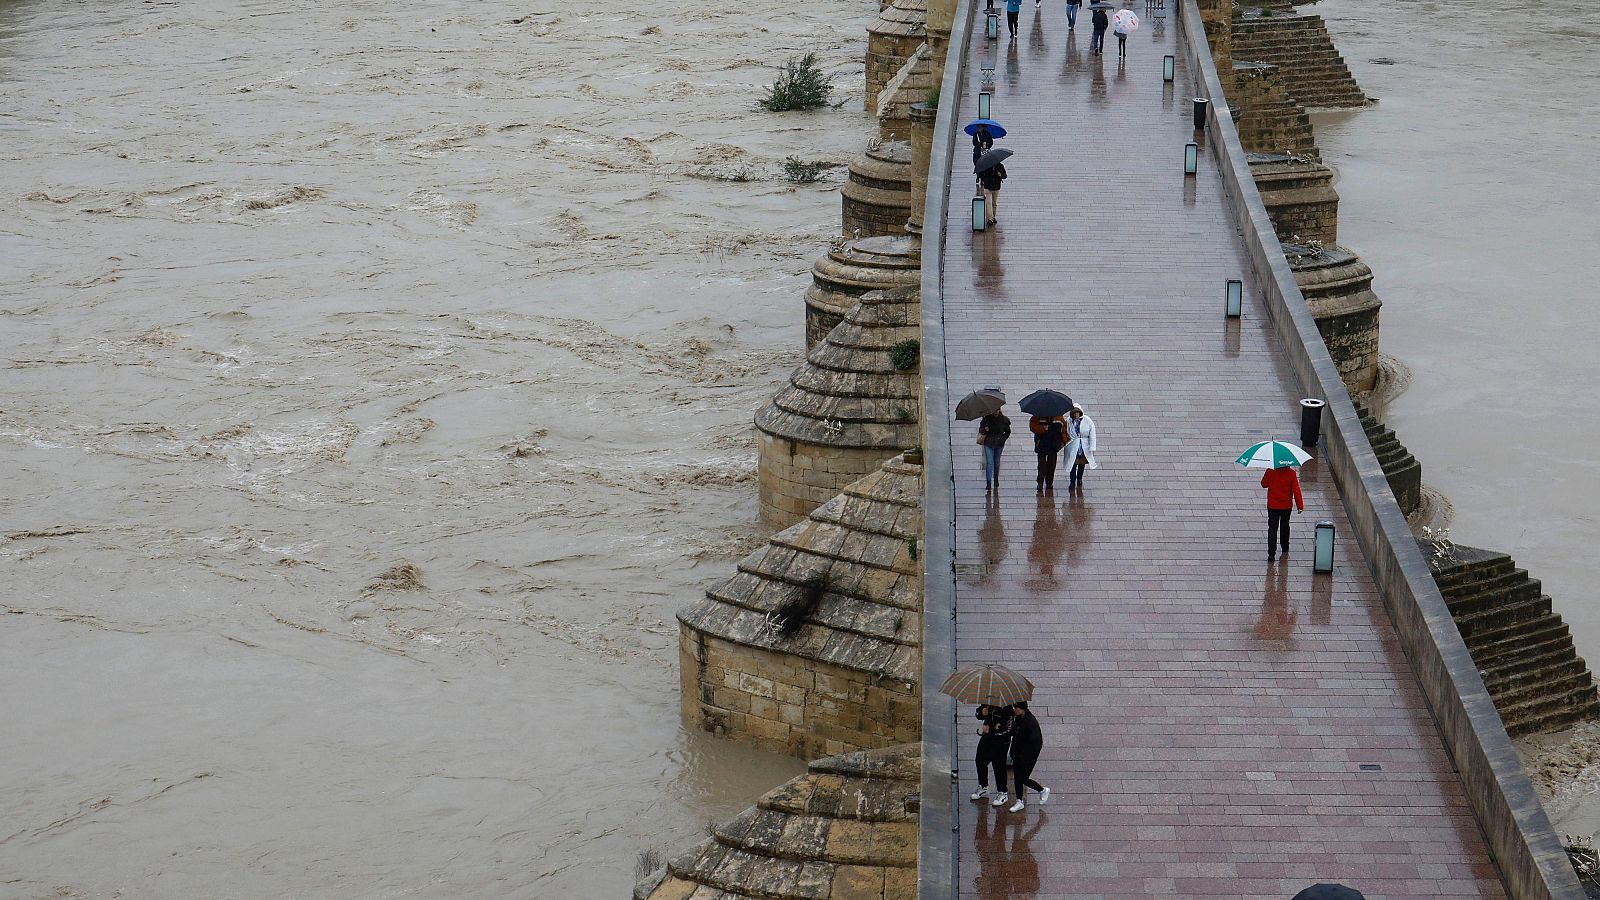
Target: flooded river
[
  {"x": 1471, "y": 190},
  {"x": 378, "y": 384}
]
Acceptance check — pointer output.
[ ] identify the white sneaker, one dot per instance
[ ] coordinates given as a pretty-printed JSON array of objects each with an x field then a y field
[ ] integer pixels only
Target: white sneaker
[
  {"x": 980, "y": 793},
  {"x": 1001, "y": 800},
  {"x": 1044, "y": 796},
  {"x": 1019, "y": 806}
]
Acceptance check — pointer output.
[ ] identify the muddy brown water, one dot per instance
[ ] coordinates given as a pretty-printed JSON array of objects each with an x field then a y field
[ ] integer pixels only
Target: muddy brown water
[
  {"x": 1471, "y": 190},
  {"x": 378, "y": 381}
]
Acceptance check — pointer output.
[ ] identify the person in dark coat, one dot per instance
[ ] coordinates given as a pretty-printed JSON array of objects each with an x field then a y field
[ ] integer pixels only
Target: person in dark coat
[
  {"x": 1049, "y": 436},
  {"x": 1102, "y": 21},
  {"x": 981, "y": 140},
  {"x": 991, "y": 179},
  {"x": 993, "y": 431},
  {"x": 994, "y": 739},
  {"x": 1026, "y": 743}
]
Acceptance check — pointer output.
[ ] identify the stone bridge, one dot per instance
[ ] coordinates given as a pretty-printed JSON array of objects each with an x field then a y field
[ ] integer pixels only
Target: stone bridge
[{"x": 1214, "y": 725}]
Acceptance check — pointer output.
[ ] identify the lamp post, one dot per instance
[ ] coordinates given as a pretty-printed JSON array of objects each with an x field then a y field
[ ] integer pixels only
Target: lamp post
[
  {"x": 1200, "y": 104},
  {"x": 980, "y": 212},
  {"x": 1169, "y": 68},
  {"x": 1191, "y": 158},
  {"x": 985, "y": 103},
  {"x": 992, "y": 28},
  {"x": 1235, "y": 298},
  {"x": 1322, "y": 557}
]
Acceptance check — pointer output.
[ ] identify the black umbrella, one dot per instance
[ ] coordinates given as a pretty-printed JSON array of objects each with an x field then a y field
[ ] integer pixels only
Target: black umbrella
[
  {"x": 990, "y": 159},
  {"x": 1046, "y": 404},
  {"x": 978, "y": 404},
  {"x": 1101, "y": 6},
  {"x": 1329, "y": 892}
]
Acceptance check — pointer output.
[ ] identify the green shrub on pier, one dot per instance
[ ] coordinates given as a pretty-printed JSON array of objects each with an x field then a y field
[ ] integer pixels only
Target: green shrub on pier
[
  {"x": 801, "y": 85},
  {"x": 904, "y": 355}
]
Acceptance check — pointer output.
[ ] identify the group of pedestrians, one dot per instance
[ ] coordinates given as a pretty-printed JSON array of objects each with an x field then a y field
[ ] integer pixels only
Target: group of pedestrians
[
  {"x": 1009, "y": 737},
  {"x": 1074, "y": 433},
  {"x": 1100, "y": 18}
]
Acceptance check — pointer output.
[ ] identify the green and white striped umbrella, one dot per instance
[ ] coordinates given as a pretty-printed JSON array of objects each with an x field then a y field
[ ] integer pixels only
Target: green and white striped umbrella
[{"x": 1272, "y": 455}]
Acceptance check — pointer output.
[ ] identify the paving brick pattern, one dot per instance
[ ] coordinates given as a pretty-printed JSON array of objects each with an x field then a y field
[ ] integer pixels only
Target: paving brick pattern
[{"x": 1214, "y": 726}]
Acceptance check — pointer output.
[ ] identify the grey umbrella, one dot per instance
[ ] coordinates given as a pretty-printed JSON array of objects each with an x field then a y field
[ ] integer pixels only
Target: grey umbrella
[
  {"x": 991, "y": 158},
  {"x": 1046, "y": 404},
  {"x": 1329, "y": 892},
  {"x": 978, "y": 404}
]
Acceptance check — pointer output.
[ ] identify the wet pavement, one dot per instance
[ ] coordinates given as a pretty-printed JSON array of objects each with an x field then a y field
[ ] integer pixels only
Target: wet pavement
[{"x": 1213, "y": 724}]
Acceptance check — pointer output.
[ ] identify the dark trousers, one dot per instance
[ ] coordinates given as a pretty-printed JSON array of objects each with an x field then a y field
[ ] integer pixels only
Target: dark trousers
[
  {"x": 992, "y": 754},
  {"x": 1020, "y": 770},
  {"x": 1278, "y": 526},
  {"x": 1122, "y": 44},
  {"x": 1099, "y": 41},
  {"x": 1011, "y": 22},
  {"x": 1075, "y": 477},
  {"x": 1047, "y": 468}
]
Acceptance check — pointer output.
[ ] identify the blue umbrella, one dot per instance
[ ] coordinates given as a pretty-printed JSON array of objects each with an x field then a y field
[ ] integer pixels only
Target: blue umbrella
[{"x": 995, "y": 128}]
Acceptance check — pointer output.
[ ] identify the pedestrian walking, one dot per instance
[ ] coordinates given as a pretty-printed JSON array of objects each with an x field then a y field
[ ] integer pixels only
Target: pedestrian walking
[
  {"x": 991, "y": 178},
  {"x": 1283, "y": 495},
  {"x": 1072, "y": 13},
  {"x": 981, "y": 140},
  {"x": 993, "y": 432},
  {"x": 1080, "y": 447},
  {"x": 994, "y": 741},
  {"x": 1101, "y": 22},
  {"x": 1049, "y": 436},
  {"x": 1122, "y": 42},
  {"x": 1013, "y": 9},
  {"x": 1026, "y": 743}
]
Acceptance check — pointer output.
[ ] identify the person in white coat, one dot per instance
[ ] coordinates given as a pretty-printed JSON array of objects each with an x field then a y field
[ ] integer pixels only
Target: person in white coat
[{"x": 1080, "y": 447}]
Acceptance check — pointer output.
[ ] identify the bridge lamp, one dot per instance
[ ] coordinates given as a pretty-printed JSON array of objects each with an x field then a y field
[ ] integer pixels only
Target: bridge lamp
[
  {"x": 1235, "y": 297},
  {"x": 1191, "y": 158},
  {"x": 992, "y": 29},
  {"x": 985, "y": 101},
  {"x": 980, "y": 212},
  {"x": 1169, "y": 68},
  {"x": 1322, "y": 557}
]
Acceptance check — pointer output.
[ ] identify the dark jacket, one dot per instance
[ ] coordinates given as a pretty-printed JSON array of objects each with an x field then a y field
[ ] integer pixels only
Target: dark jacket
[
  {"x": 998, "y": 718},
  {"x": 1101, "y": 20},
  {"x": 995, "y": 428},
  {"x": 1049, "y": 435},
  {"x": 1026, "y": 739},
  {"x": 991, "y": 178}
]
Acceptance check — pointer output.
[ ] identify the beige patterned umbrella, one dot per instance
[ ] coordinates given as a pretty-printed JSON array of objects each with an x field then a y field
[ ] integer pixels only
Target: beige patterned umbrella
[{"x": 987, "y": 683}]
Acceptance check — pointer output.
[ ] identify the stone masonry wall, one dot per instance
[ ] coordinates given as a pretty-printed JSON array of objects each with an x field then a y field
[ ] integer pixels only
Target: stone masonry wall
[
  {"x": 797, "y": 477},
  {"x": 790, "y": 704}
]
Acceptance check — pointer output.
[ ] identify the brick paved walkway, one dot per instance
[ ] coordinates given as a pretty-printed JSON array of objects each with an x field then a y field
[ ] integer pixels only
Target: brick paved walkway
[{"x": 1213, "y": 726}]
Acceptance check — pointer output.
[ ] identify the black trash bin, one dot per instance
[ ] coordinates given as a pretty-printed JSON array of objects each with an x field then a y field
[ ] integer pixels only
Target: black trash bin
[
  {"x": 1310, "y": 421},
  {"x": 1200, "y": 104}
]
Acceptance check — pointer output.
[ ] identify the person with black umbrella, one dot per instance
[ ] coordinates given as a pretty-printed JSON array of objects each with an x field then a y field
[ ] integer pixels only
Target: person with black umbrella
[
  {"x": 991, "y": 179},
  {"x": 1102, "y": 21},
  {"x": 1049, "y": 436},
  {"x": 993, "y": 431}
]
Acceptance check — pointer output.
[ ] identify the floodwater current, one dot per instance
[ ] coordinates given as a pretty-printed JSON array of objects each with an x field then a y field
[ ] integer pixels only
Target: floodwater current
[
  {"x": 1471, "y": 190},
  {"x": 378, "y": 383}
]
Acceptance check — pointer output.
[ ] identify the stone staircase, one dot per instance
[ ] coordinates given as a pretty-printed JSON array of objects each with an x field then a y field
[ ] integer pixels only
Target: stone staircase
[
  {"x": 1268, "y": 119},
  {"x": 1312, "y": 70},
  {"x": 1399, "y": 466},
  {"x": 1522, "y": 648}
]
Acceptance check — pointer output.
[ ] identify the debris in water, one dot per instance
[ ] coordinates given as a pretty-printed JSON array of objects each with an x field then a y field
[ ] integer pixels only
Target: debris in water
[{"x": 398, "y": 577}]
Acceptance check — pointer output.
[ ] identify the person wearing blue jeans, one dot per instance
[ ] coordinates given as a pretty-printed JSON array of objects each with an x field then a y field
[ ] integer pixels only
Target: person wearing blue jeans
[
  {"x": 1072, "y": 13},
  {"x": 992, "y": 434}
]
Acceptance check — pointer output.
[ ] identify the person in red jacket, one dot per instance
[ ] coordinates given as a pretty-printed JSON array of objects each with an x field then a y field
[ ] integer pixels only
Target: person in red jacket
[{"x": 1283, "y": 496}]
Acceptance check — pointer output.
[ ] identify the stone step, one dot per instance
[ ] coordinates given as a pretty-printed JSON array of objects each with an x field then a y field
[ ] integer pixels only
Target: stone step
[
  {"x": 1514, "y": 639},
  {"x": 765, "y": 832},
  {"x": 1486, "y": 581},
  {"x": 1540, "y": 684},
  {"x": 1477, "y": 597},
  {"x": 1538, "y": 715},
  {"x": 1583, "y": 710},
  {"x": 1475, "y": 624},
  {"x": 1556, "y": 653},
  {"x": 1476, "y": 570}
]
